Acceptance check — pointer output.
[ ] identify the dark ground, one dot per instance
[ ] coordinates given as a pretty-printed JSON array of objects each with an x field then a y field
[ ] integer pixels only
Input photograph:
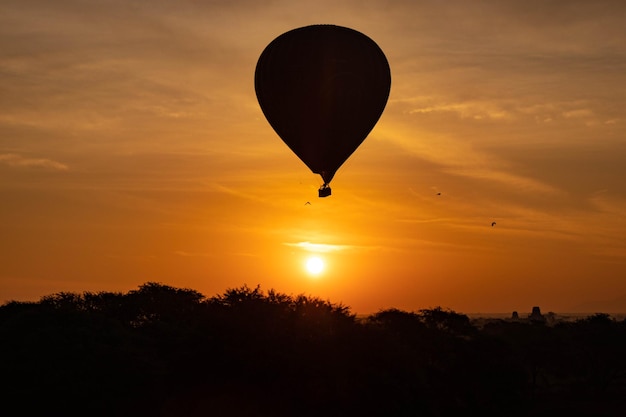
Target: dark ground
[{"x": 164, "y": 351}]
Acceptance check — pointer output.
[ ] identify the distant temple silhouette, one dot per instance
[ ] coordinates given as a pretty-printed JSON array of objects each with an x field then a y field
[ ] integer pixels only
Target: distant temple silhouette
[{"x": 536, "y": 316}]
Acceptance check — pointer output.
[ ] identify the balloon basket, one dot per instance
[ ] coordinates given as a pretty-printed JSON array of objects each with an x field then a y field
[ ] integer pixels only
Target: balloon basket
[{"x": 324, "y": 191}]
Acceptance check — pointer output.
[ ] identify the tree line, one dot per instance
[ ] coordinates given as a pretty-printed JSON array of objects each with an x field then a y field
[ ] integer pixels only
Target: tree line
[{"x": 165, "y": 351}]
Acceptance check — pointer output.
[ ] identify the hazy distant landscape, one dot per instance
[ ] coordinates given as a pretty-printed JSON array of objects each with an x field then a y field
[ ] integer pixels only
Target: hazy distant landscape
[
  {"x": 558, "y": 317},
  {"x": 166, "y": 351}
]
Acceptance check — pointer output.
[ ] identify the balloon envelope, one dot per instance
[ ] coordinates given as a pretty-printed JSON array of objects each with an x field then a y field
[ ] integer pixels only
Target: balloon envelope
[{"x": 322, "y": 88}]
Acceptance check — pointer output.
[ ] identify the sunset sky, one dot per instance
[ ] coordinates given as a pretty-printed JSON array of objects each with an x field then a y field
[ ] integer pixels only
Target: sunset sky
[{"x": 133, "y": 149}]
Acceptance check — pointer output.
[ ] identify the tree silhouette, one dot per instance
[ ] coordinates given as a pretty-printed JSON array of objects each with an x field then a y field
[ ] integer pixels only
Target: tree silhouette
[{"x": 165, "y": 351}]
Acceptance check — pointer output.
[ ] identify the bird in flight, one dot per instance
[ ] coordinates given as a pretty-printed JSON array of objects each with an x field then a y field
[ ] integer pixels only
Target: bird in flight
[
  {"x": 493, "y": 224},
  {"x": 308, "y": 202}
]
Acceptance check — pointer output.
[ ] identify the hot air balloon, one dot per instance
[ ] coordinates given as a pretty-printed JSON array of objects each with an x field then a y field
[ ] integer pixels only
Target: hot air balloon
[{"x": 322, "y": 88}]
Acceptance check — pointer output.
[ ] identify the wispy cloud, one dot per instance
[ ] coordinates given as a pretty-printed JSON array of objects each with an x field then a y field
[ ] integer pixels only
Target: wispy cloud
[
  {"x": 319, "y": 247},
  {"x": 499, "y": 109},
  {"x": 578, "y": 113},
  {"x": 16, "y": 160},
  {"x": 192, "y": 254},
  {"x": 476, "y": 110},
  {"x": 186, "y": 254},
  {"x": 462, "y": 159},
  {"x": 508, "y": 178}
]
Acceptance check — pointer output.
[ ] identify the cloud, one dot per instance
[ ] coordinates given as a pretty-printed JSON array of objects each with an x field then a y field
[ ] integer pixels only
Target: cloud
[
  {"x": 607, "y": 204},
  {"x": 319, "y": 247},
  {"x": 467, "y": 110},
  {"x": 463, "y": 159},
  {"x": 186, "y": 254},
  {"x": 578, "y": 113},
  {"x": 192, "y": 254},
  {"x": 15, "y": 160},
  {"x": 501, "y": 110},
  {"x": 508, "y": 178}
]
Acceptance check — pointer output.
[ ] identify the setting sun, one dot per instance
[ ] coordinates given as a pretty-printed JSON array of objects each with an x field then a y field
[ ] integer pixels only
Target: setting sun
[{"x": 314, "y": 265}]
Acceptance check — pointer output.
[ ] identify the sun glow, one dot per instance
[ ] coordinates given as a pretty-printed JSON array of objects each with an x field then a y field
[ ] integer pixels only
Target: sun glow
[{"x": 314, "y": 265}]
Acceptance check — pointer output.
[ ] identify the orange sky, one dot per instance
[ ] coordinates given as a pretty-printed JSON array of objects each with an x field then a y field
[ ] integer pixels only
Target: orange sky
[{"x": 133, "y": 149}]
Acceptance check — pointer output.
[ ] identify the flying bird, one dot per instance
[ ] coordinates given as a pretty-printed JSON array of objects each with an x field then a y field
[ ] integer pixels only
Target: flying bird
[
  {"x": 438, "y": 193},
  {"x": 308, "y": 202},
  {"x": 493, "y": 224}
]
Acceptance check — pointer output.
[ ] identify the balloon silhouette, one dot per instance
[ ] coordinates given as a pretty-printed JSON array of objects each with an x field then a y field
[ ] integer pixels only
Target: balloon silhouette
[{"x": 322, "y": 88}]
